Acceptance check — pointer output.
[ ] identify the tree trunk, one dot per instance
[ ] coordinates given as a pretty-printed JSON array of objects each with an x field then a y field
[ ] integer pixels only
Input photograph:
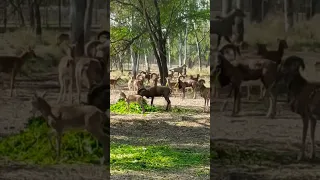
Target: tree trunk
[
  {"x": 180, "y": 50},
  {"x": 133, "y": 62},
  {"x": 239, "y": 25},
  {"x": 255, "y": 12},
  {"x": 5, "y": 18},
  {"x": 31, "y": 13},
  {"x": 88, "y": 20},
  {"x": 288, "y": 14},
  {"x": 226, "y": 7},
  {"x": 185, "y": 45},
  {"x": 239, "y": 4},
  {"x": 146, "y": 61},
  {"x": 169, "y": 53},
  {"x": 20, "y": 13},
  {"x": 77, "y": 14},
  {"x": 198, "y": 47},
  {"x": 38, "y": 19},
  {"x": 59, "y": 14},
  {"x": 120, "y": 63}
]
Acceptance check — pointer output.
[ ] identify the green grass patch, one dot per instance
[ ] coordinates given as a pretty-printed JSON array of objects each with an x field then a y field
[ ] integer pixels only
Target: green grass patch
[
  {"x": 160, "y": 157},
  {"x": 32, "y": 146},
  {"x": 121, "y": 108}
]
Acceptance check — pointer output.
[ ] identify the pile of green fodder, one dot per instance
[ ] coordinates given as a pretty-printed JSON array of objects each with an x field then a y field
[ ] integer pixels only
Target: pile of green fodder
[
  {"x": 121, "y": 107},
  {"x": 33, "y": 146}
]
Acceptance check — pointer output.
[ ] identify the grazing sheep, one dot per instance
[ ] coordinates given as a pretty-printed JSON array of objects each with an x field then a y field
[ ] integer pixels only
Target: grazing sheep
[
  {"x": 156, "y": 91},
  {"x": 133, "y": 98},
  {"x": 303, "y": 98},
  {"x": 222, "y": 26},
  {"x": 204, "y": 92},
  {"x": 13, "y": 64},
  {"x": 85, "y": 117},
  {"x": 180, "y": 70},
  {"x": 236, "y": 72}
]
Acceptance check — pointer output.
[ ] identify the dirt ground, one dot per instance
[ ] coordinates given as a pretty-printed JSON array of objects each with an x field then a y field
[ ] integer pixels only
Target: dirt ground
[
  {"x": 279, "y": 138},
  {"x": 161, "y": 128}
]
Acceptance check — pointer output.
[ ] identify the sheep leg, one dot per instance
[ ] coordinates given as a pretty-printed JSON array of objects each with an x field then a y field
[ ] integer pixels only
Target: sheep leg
[
  {"x": 273, "y": 102},
  {"x": 225, "y": 103},
  {"x": 236, "y": 101},
  {"x": 142, "y": 107},
  {"x": 152, "y": 101},
  {"x": 78, "y": 84},
  {"x": 219, "y": 40},
  {"x": 183, "y": 93},
  {"x": 61, "y": 89},
  {"x": 305, "y": 121},
  {"x": 128, "y": 106},
  {"x": 248, "y": 92},
  {"x": 64, "y": 90},
  {"x": 98, "y": 133},
  {"x": 70, "y": 91},
  {"x": 13, "y": 77},
  {"x": 313, "y": 124},
  {"x": 168, "y": 102}
]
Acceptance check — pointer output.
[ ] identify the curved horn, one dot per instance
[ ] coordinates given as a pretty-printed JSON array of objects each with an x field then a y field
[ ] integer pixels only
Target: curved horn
[{"x": 107, "y": 33}]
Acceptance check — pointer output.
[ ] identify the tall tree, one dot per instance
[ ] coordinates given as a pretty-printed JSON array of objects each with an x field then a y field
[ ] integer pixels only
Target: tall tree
[
  {"x": 88, "y": 20},
  {"x": 77, "y": 15},
  {"x": 226, "y": 7},
  {"x": 38, "y": 18},
  {"x": 288, "y": 14}
]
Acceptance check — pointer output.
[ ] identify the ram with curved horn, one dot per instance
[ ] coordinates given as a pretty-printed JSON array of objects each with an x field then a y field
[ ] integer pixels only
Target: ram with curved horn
[{"x": 303, "y": 98}]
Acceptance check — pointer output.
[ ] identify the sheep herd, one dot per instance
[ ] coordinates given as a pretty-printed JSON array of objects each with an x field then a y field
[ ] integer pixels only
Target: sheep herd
[
  {"x": 274, "y": 73},
  {"x": 145, "y": 84}
]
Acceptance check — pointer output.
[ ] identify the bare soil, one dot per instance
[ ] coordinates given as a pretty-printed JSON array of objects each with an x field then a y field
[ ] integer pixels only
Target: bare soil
[
  {"x": 176, "y": 130},
  {"x": 251, "y": 131}
]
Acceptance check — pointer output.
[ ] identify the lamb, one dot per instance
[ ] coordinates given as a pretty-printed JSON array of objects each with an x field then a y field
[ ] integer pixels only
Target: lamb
[
  {"x": 196, "y": 78},
  {"x": 236, "y": 72},
  {"x": 171, "y": 85},
  {"x": 66, "y": 70},
  {"x": 204, "y": 92},
  {"x": 180, "y": 70},
  {"x": 222, "y": 26},
  {"x": 183, "y": 84},
  {"x": 114, "y": 82},
  {"x": 130, "y": 83},
  {"x": 99, "y": 96},
  {"x": 275, "y": 56},
  {"x": 156, "y": 91},
  {"x": 13, "y": 64},
  {"x": 133, "y": 98},
  {"x": 303, "y": 98},
  {"x": 88, "y": 71},
  {"x": 85, "y": 117}
]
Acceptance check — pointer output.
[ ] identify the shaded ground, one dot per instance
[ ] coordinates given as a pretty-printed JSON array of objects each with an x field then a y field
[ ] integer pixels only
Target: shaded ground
[
  {"x": 189, "y": 130},
  {"x": 253, "y": 147}
]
